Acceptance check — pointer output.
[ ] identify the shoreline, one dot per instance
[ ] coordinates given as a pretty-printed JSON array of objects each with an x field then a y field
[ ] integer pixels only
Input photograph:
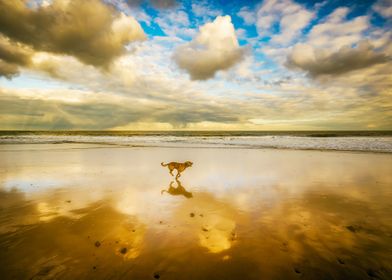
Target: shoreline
[{"x": 228, "y": 147}]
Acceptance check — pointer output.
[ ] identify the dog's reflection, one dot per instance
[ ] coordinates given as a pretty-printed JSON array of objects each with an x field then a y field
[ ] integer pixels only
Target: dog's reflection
[{"x": 179, "y": 190}]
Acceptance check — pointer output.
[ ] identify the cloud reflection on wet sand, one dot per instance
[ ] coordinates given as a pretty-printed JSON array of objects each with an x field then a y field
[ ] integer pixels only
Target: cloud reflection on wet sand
[{"x": 261, "y": 222}]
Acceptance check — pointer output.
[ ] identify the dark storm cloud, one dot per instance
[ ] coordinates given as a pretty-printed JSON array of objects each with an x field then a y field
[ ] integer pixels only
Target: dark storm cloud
[
  {"x": 344, "y": 60},
  {"x": 11, "y": 56},
  {"x": 8, "y": 70},
  {"x": 89, "y": 30}
]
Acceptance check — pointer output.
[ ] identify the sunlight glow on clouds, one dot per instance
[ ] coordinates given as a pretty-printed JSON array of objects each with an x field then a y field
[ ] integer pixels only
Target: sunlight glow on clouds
[
  {"x": 214, "y": 48},
  {"x": 152, "y": 64},
  {"x": 320, "y": 62},
  {"x": 88, "y": 30}
]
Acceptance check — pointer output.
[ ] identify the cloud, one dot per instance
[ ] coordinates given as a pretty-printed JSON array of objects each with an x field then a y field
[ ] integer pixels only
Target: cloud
[
  {"x": 89, "y": 30},
  {"x": 384, "y": 8},
  {"x": 338, "y": 45},
  {"x": 12, "y": 55},
  {"x": 163, "y": 4},
  {"x": 145, "y": 88},
  {"x": 214, "y": 48},
  {"x": 175, "y": 23},
  {"x": 75, "y": 109},
  {"x": 8, "y": 70},
  {"x": 318, "y": 62},
  {"x": 336, "y": 31},
  {"x": 290, "y": 16},
  {"x": 157, "y": 4},
  {"x": 204, "y": 10},
  {"x": 248, "y": 16}
]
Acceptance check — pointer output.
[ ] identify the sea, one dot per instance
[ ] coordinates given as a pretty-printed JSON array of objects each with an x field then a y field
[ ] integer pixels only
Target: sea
[{"x": 359, "y": 141}]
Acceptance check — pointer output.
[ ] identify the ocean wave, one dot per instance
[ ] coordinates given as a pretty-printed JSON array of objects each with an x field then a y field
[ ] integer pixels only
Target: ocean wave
[{"x": 359, "y": 143}]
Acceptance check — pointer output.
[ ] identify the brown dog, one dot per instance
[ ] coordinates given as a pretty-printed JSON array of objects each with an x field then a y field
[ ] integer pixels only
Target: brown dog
[{"x": 180, "y": 167}]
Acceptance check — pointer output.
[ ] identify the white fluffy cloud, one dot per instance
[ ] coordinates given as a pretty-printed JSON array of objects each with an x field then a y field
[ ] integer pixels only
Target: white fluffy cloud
[
  {"x": 336, "y": 32},
  {"x": 214, "y": 48},
  {"x": 290, "y": 16}
]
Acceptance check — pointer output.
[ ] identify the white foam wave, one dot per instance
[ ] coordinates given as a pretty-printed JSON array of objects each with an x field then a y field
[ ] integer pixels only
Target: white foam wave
[{"x": 372, "y": 144}]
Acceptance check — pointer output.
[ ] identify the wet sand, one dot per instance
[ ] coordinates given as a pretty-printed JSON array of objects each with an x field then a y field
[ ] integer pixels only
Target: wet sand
[{"x": 80, "y": 211}]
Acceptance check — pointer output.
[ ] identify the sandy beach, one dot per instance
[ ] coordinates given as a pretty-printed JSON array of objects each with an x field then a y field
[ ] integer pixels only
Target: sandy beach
[{"x": 88, "y": 211}]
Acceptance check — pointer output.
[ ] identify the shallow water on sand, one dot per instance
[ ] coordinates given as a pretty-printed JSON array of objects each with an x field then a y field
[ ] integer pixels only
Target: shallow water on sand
[{"x": 74, "y": 211}]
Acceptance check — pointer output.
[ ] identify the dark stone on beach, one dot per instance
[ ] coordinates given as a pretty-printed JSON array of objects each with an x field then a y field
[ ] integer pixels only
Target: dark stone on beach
[
  {"x": 68, "y": 201},
  {"x": 204, "y": 229},
  {"x": 156, "y": 275},
  {"x": 123, "y": 250},
  {"x": 192, "y": 215},
  {"x": 160, "y": 222},
  {"x": 340, "y": 261},
  {"x": 45, "y": 270},
  {"x": 116, "y": 241},
  {"x": 97, "y": 244},
  {"x": 353, "y": 228},
  {"x": 133, "y": 230},
  {"x": 94, "y": 267},
  {"x": 372, "y": 273},
  {"x": 296, "y": 269},
  {"x": 201, "y": 215}
]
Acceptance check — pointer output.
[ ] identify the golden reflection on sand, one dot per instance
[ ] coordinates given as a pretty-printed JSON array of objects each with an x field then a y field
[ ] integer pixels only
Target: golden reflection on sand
[
  {"x": 269, "y": 214},
  {"x": 217, "y": 233},
  {"x": 178, "y": 190}
]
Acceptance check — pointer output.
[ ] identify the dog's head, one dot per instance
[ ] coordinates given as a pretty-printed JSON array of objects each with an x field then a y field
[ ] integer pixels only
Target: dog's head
[{"x": 188, "y": 163}]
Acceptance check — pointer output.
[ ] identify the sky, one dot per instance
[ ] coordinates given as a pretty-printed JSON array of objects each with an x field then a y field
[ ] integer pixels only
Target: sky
[{"x": 195, "y": 65}]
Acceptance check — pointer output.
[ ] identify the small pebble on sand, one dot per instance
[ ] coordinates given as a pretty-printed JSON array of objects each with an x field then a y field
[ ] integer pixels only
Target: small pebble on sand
[
  {"x": 372, "y": 273},
  {"x": 123, "y": 250},
  {"x": 192, "y": 214},
  {"x": 97, "y": 244}
]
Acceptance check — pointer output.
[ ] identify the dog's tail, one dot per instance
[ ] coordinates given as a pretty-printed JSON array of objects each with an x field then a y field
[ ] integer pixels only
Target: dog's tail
[{"x": 163, "y": 164}]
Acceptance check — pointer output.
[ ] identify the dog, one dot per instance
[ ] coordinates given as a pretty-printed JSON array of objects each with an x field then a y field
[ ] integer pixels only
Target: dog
[
  {"x": 180, "y": 167},
  {"x": 179, "y": 190}
]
